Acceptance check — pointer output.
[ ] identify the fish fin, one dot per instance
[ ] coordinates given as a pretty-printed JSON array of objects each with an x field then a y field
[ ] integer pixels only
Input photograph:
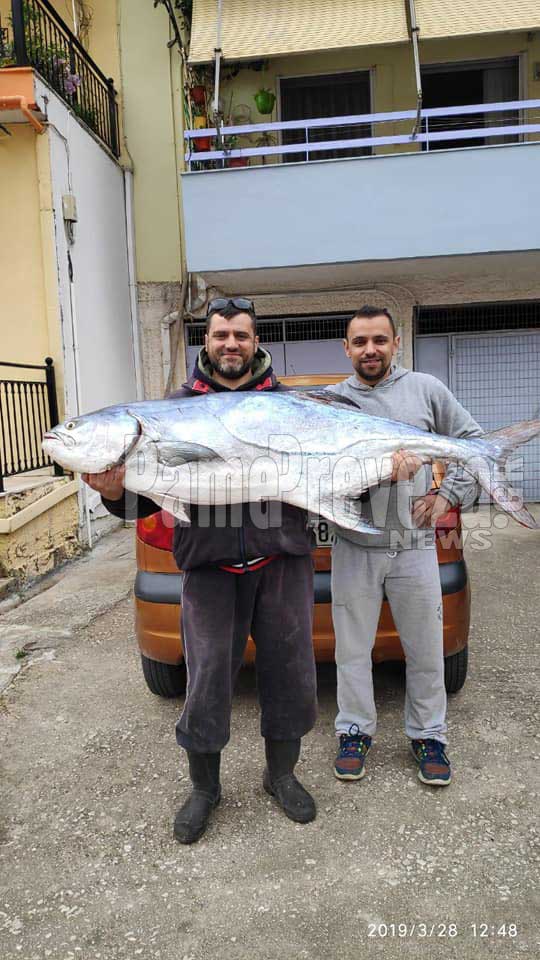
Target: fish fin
[
  {"x": 174, "y": 453},
  {"x": 507, "y": 498},
  {"x": 508, "y": 439},
  {"x": 347, "y": 513},
  {"x": 320, "y": 395},
  {"x": 501, "y": 444},
  {"x": 147, "y": 425}
]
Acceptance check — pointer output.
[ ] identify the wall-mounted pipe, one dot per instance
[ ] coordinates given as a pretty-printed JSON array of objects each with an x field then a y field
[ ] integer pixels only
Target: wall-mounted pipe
[{"x": 414, "y": 30}]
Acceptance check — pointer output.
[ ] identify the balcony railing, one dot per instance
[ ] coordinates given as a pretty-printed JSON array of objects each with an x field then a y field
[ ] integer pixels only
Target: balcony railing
[
  {"x": 474, "y": 125},
  {"x": 28, "y": 408},
  {"x": 40, "y": 39}
]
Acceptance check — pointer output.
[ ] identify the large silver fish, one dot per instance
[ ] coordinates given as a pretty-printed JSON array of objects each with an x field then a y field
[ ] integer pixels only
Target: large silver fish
[{"x": 312, "y": 449}]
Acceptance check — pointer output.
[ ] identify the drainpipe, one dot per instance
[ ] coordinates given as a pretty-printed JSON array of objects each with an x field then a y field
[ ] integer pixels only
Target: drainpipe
[
  {"x": 414, "y": 30},
  {"x": 171, "y": 330},
  {"x": 132, "y": 279},
  {"x": 75, "y": 23},
  {"x": 166, "y": 324},
  {"x": 217, "y": 64}
]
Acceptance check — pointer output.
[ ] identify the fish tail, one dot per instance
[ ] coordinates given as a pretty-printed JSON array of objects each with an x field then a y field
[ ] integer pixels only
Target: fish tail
[{"x": 501, "y": 444}]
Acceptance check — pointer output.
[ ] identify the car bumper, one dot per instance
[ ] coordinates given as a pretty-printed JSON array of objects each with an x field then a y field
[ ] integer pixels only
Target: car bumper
[{"x": 157, "y": 604}]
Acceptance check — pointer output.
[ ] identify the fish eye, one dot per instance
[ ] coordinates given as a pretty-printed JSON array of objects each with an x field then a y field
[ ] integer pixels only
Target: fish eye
[{"x": 70, "y": 425}]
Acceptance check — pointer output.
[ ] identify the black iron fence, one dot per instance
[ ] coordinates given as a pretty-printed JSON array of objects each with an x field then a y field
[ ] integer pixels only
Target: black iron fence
[
  {"x": 41, "y": 39},
  {"x": 28, "y": 408}
]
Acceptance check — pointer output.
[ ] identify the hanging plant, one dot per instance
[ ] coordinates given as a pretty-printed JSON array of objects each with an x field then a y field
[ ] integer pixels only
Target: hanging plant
[{"x": 265, "y": 100}]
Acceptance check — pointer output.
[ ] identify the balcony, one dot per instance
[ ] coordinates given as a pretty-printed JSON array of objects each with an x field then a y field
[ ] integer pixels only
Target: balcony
[
  {"x": 455, "y": 180},
  {"x": 35, "y": 36}
]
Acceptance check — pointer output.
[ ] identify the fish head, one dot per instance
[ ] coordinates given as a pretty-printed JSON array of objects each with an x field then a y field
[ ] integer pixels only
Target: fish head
[{"x": 94, "y": 442}]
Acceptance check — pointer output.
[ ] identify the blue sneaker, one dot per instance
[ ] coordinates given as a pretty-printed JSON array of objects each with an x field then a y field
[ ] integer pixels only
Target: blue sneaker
[
  {"x": 352, "y": 753},
  {"x": 433, "y": 764}
]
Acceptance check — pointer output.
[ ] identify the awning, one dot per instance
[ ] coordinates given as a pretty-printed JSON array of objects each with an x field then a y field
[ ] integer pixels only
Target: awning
[
  {"x": 253, "y": 29},
  {"x": 459, "y": 18}
]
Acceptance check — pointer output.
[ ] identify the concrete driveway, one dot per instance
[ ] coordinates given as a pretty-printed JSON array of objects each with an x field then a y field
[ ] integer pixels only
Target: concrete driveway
[{"x": 91, "y": 777}]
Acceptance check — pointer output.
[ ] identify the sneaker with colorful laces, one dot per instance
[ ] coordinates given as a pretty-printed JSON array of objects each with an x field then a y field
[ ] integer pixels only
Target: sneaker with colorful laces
[
  {"x": 352, "y": 753},
  {"x": 433, "y": 764}
]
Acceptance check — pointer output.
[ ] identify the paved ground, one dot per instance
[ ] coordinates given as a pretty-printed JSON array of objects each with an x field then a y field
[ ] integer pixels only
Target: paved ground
[{"x": 91, "y": 778}]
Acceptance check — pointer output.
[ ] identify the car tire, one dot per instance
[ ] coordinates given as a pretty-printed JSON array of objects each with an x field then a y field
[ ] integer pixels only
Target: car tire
[
  {"x": 455, "y": 670},
  {"x": 164, "y": 679}
]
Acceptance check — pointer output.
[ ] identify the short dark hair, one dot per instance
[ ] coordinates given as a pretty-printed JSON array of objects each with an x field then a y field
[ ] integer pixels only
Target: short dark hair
[
  {"x": 368, "y": 311},
  {"x": 229, "y": 312}
]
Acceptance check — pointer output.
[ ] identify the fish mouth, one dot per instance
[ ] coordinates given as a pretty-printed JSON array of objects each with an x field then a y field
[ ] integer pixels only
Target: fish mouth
[{"x": 59, "y": 438}]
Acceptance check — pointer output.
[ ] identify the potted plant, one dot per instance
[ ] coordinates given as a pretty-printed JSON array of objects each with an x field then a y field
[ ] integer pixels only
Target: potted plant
[
  {"x": 200, "y": 122},
  {"x": 265, "y": 100},
  {"x": 230, "y": 143},
  {"x": 197, "y": 95}
]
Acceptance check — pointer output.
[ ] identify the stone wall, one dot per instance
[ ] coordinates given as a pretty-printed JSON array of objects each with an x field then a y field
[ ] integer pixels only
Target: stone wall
[{"x": 39, "y": 539}]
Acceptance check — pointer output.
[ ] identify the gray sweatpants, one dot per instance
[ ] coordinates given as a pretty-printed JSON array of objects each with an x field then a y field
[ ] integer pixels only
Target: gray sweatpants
[{"x": 410, "y": 579}]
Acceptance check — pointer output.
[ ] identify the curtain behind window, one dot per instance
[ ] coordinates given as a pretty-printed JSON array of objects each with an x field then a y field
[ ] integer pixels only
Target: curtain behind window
[{"x": 335, "y": 95}]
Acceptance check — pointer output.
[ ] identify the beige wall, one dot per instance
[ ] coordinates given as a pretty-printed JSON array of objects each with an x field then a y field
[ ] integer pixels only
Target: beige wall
[
  {"x": 151, "y": 99},
  {"x": 25, "y": 337}
]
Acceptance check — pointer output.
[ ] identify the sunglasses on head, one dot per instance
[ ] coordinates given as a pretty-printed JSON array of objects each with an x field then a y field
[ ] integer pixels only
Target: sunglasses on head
[{"x": 240, "y": 303}]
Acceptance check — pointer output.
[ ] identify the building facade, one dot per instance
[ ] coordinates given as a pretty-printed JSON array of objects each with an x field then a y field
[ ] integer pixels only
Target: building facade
[{"x": 427, "y": 207}]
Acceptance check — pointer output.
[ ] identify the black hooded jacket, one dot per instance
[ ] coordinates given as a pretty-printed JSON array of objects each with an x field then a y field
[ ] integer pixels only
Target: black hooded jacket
[{"x": 225, "y": 535}]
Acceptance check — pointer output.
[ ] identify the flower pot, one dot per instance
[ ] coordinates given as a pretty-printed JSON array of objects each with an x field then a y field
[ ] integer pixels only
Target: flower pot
[
  {"x": 201, "y": 143},
  {"x": 265, "y": 101},
  {"x": 198, "y": 95},
  {"x": 238, "y": 162}
]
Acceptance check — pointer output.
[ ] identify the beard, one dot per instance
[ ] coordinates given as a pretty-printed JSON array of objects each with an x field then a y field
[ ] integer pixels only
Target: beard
[
  {"x": 375, "y": 375},
  {"x": 230, "y": 370}
]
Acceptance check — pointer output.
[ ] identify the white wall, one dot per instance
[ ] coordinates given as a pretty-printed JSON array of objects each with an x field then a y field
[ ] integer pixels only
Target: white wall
[{"x": 98, "y": 304}]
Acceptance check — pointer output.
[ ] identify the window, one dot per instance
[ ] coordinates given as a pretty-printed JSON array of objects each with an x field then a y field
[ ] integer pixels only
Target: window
[
  {"x": 453, "y": 84},
  {"x": 334, "y": 95}
]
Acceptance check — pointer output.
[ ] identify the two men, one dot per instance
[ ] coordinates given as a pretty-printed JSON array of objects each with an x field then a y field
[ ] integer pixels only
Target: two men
[
  {"x": 401, "y": 563},
  {"x": 245, "y": 576},
  {"x": 243, "y": 573}
]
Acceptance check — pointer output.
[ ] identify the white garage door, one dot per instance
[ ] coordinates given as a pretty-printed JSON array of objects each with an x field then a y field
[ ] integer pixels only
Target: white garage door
[{"x": 496, "y": 376}]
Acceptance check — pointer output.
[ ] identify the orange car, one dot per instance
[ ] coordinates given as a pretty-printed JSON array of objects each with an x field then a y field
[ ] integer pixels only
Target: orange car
[{"x": 158, "y": 589}]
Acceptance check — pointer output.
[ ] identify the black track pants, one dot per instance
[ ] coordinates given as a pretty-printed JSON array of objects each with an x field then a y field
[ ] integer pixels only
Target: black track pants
[{"x": 219, "y": 611}]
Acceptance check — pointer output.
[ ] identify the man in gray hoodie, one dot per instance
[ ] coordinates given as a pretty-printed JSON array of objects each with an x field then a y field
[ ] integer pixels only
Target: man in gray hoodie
[{"x": 402, "y": 562}]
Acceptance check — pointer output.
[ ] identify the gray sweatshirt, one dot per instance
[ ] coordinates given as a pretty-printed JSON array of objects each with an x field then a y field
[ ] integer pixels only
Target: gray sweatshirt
[{"x": 425, "y": 402}]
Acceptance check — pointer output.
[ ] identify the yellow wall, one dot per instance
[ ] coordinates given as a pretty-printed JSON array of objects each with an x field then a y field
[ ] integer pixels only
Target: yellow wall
[
  {"x": 63, "y": 7},
  {"x": 152, "y": 100},
  {"x": 392, "y": 66},
  {"x": 103, "y": 38},
  {"x": 23, "y": 323}
]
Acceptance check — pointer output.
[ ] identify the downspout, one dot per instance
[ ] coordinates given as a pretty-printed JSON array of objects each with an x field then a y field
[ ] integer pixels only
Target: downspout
[
  {"x": 414, "y": 30},
  {"x": 217, "y": 65},
  {"x": 173, "y": 340},
  {"x": 132, "y": 279}
]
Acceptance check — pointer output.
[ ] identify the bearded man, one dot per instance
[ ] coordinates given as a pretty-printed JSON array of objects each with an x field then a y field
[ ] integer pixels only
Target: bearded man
[{"x": 247, "y": 570}]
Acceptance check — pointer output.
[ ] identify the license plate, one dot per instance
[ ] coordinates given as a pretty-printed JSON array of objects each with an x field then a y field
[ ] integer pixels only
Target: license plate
[{"x": 324, "y": 536}]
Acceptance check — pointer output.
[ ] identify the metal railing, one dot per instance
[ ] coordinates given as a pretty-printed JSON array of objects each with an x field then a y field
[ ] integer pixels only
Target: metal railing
[
  {"x": 42, "y": 40},
  {"x": 28, "y": 408},
  {"x": 471, "y": 125}
]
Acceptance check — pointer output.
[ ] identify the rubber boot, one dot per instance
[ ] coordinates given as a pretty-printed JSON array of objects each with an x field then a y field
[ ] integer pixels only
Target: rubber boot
[
  {"x": 280, "y": 782},
  {"x": 192, "y": 819}
]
